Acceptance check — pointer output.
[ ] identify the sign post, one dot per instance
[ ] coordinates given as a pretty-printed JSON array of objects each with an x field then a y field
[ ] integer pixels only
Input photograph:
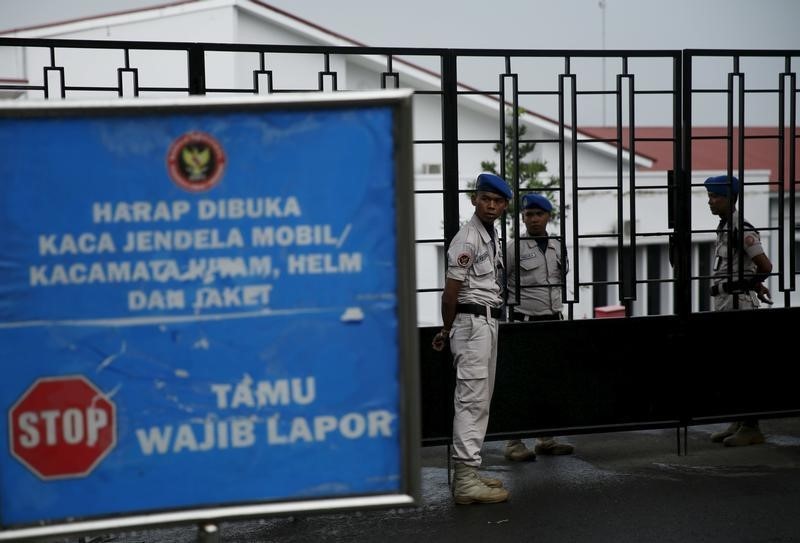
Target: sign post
[{"x": 205, "y": 310}]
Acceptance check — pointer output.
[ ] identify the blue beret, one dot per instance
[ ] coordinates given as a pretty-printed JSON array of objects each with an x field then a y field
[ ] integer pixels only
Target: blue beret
[
  {"x": 489, "y": 182},
  {"x": 720, "y": 185},
  {"x": 536, "y": 200}
]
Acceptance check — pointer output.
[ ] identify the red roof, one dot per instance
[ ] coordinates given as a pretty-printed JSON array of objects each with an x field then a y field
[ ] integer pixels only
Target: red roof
[{"x": 709, "y": 147}]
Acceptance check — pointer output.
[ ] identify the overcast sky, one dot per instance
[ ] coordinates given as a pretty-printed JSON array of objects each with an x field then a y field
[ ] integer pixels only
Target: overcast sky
[{"x": 558, "y": 24}]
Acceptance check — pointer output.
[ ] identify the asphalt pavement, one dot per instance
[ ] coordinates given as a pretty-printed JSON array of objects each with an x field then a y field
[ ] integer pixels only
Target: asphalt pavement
[{"x": 617, "y": 487}]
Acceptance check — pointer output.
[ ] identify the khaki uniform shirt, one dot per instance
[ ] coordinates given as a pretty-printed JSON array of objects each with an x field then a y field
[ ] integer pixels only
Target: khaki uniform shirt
[
  {"x": 537, "y": 268},
  {"x": 752, "y": 247},
  {"x": 475, "y": 259}
]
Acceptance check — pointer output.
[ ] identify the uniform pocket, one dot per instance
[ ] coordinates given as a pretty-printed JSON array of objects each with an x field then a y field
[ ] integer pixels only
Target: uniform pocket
[
  {"x": 473, "y": 391},
  {"x": 472, "y": 370},
  {"x": 483, "y": 267},
  {"x": 471, "y": 346},
  {"x": 531, "y": 263}
]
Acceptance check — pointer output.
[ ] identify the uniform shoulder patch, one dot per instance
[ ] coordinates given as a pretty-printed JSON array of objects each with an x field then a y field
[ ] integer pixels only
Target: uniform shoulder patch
[
  {"x": 749, "y": 240},
  {"x": 464, "y": 260}
]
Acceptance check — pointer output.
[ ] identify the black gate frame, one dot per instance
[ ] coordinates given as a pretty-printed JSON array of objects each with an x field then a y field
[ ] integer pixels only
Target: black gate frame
[{"x": 574, "y": 376}]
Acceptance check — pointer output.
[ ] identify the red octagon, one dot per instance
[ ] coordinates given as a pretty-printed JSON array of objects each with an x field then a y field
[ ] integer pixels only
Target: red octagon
[{"x": 62, "y": 427}]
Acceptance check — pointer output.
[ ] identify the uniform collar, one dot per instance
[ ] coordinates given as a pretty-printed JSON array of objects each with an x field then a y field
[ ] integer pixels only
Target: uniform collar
[
  {"x": 485, "y": 236},
  {"x": 532, "y": 242}
]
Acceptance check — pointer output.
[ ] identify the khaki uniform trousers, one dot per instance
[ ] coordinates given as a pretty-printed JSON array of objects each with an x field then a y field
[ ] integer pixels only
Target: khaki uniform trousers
[{"x": 473, "y": 342}]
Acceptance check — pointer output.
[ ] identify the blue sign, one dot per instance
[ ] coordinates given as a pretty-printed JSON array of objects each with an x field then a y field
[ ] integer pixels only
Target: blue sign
[{"x": 216, "y": 294}]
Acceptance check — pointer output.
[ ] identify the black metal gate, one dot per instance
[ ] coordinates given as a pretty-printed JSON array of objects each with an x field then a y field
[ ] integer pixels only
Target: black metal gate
[{"x": 665, "y": 364}]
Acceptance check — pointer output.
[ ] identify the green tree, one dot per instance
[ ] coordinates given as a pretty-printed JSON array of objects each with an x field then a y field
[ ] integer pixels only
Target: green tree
[{"x": 531, "y": 172}]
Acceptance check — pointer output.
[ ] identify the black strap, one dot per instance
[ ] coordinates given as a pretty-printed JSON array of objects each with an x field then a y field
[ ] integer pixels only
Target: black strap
[
  {"x": 517, "y": 316},
  {"x": 735, "y": 230}
]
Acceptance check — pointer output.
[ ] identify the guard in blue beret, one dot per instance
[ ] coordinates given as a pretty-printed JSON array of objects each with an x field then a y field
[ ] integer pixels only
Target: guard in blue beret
[
  {"x": 536, "y": 201},
  {"x": 472, "y": 302},
  {"x": 542, "y": 272},
  {"x": 723, "y": 185},
  {"x": 736, "y": 292},
  {"x": 489, "y": 182}
]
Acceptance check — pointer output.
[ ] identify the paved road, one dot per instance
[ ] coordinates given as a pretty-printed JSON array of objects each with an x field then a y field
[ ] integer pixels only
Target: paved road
[{"x": 617, "y": 487}]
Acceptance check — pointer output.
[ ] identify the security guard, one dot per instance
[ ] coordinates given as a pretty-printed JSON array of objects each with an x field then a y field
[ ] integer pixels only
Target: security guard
[
  {"x": 471, "y": 306},
  {"x": 748, "y": 288},
  {"x": 542, "y": 271},
  {"x": 541, "y": 265}
]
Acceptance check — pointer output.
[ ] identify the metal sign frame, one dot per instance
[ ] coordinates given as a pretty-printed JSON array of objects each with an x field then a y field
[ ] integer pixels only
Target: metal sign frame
[{"x": 408, "y": 433}]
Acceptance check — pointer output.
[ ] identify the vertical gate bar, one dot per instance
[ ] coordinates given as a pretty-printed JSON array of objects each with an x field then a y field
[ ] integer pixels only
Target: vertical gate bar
[
  {"x": 681, "y": 249},
  {"x": 262, "y": 63},
  {"x": 59, "y": 70},
  {"x": 781, "y": 178},
  {"x": 740, "y": 171},
  {"x": 787, "y": 176},
  {"x": 632, "y": 181},
  {"x": 630, "y": 284},
  {"x": 677, "y": 135},
  {"x": 573, "y": 97},
  {"x": 450, "y": 145},
  {"x": 792, "y": 185},
  {"x": 515, "y": 165},
  {"x": 389, "y": 72},
  {"x": 197, "y": 69},
  {"x": 683, "y": 196},
  {"x": 573, "y": 104},
  {"x": 622, "y": 272},
  {"x": 729, "y": 171},
  {"x": 127, "y": 69},
  {"x": 738, "y": 77},
  {"x": 515, "y": 182}
]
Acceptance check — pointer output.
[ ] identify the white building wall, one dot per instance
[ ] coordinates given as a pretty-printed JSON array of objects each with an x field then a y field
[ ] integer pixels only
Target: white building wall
[
  {"x": 478, "y": 120},
  {"x": 289, "y": 71},
  {"x": 155, "y": 68}
]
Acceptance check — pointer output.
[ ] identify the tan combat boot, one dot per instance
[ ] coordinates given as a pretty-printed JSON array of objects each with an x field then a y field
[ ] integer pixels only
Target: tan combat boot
[
  {"x": 490, "y": 481},
  {"x": 548, "y": 445},
  {"x": 745, "y": 435},
  {"x": 516, "y": 451},
  {"x": 719, "y": 437},
  {"x": 468, "y": 488}
]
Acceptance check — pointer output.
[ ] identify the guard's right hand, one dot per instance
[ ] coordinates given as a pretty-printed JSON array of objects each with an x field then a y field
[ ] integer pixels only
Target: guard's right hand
[{"x": 439, "y": 340}]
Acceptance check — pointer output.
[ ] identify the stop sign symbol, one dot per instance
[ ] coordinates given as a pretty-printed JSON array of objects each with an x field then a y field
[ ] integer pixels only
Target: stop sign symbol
[{"x": 62, "y": 427}]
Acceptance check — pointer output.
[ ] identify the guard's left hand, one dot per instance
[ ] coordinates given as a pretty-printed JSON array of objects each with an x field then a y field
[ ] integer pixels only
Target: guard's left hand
[{"x": 763, "y": 294}]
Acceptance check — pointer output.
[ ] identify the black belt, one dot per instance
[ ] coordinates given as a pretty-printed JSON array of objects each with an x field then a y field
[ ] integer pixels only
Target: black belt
[
  {"x": 732, "y": 287},
  {"x": 517, "y": 316},
  {"x": 479, "y": 310}
]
